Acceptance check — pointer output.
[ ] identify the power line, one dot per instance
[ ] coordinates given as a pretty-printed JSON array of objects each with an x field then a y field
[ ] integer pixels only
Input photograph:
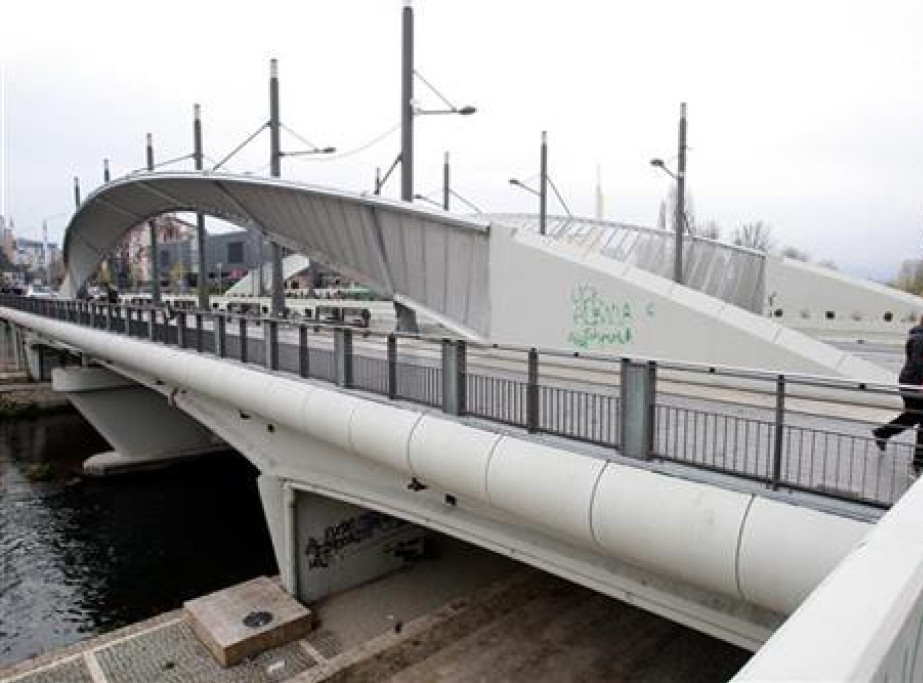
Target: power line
[{"x": 352, "y": 152}]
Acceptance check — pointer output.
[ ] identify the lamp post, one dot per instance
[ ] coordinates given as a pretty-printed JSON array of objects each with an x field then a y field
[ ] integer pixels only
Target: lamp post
[
  {"x": 543, "y": 186},
  {"x": 406, "y": 318},
  {"x": 408, "y": 109},
  {"x": 680, "y": 178},
  {"x": 277, "y": 305},
  {"x": 153, "y": 262},
  {"x": 197, "y": 155},
  {"x": 445, "y": 182},
  {"x": 542, "y": 191}
]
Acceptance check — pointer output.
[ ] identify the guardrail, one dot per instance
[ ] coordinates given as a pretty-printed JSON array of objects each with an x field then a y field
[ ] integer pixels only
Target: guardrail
[{"x": 787, "y": 432}]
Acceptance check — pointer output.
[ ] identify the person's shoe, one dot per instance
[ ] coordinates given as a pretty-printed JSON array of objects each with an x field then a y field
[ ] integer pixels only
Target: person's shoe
[{"x": 880, "y": 441}]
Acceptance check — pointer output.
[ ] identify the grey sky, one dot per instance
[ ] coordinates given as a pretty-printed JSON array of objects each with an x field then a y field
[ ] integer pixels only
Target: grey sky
[{"x": 808, "y": 114}]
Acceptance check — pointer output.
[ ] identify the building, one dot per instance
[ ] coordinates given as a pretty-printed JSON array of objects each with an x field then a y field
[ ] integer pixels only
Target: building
[{"x": 228, "y": 256}]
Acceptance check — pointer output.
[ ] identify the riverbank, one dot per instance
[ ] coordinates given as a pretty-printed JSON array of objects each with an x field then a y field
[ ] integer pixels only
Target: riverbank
[
  {"x": 438, "y": 620},
  {"x": 20, "y": 398}
]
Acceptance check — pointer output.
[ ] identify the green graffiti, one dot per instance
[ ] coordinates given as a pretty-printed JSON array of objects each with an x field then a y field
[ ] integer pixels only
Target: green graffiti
[{"x": 600, "y": 323}]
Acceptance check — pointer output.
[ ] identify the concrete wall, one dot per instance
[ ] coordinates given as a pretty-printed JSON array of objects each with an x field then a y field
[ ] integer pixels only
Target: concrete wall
[
  {"x": 804, "y": 296},
  {"x": 548, "y": 294}
]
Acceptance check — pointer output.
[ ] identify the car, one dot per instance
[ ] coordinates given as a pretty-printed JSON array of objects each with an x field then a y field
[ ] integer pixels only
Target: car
[{"x": 35, "y": 291}]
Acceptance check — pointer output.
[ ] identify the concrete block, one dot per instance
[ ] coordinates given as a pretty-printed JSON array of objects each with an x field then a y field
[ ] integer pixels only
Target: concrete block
[{"x": 246, "y": 619}]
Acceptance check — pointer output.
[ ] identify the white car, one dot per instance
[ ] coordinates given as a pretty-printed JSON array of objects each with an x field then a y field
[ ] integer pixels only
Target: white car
[{"x": 41, "y": 292}]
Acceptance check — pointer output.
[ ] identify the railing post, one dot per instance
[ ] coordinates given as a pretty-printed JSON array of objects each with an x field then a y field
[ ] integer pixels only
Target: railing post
[
  {"x": 532, "y": 392},
  {"x": 108, "y": 317},
  {"x": 271, "y": 344},
  {"x": 779, "y": 433},
  {"x": 126, "y": 310},
  {"x": 453, "y": 377},
  {"x": 343, "y": 356},
  {"x": 639, "y": 382},
  {"x": 304, "y": 367},
  {"x": 392, "y": 367},
  {"x": 242, "y": 327},
  {"x": 152, "y": 327},
  {"x": 221, "y": 337},
  {"x": 199, "y": 340},
  {"x": 180, "y": 330}
]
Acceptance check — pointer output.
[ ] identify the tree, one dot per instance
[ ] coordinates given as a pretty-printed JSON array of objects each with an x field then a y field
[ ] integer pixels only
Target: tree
[
  {"x": 910, "y": 277},
  {"x": 667, "y": 214},
  {"x": 710, "y": 230},
  {"x": 178, "y": 275},
  {"x": 796, "y": 254},
  {"x": 756, "y": 235}
]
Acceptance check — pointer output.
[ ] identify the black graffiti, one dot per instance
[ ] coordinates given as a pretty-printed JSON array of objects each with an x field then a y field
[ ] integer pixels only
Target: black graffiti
[{"x": 320, "y": 551}]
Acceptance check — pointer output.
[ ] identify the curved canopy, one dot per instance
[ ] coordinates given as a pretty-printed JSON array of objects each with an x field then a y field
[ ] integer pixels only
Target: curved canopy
[{"x": 425, "y": 258}]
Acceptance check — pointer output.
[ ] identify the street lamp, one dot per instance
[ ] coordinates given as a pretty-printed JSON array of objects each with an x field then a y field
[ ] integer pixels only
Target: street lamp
[
  {"x": 541, "y": 192},
  {"x": 409, "y": 107},
  {"x": 658, "y": 163},
  {"x": 680, "y": 219}
]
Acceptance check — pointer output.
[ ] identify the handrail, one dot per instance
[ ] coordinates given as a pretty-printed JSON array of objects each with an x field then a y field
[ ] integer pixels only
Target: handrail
[{"x": 732, "y": 426}]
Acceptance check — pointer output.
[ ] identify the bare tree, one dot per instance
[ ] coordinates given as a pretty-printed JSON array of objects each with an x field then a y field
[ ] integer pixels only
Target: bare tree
[
  {"x": 910, "y": 277},
  {"x": 756, "y": 235},
  {"x": 667, "y": 213},
  {"x": 710, "y": 230},
  {"x": 796, "y": 254}
]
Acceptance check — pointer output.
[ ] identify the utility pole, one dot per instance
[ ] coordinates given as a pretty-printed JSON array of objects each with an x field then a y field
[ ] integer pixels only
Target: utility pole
[
  {"x": 407, "y": 102},
  {"x": 445, "y": 182},
  {"x": 111, "y": 261},
  {"x": 680, "y": 218},
  {"x": 153, "y": 261},
  {"x": 76, "y": 192},
  {"x": 277, "y": 307},
  {"x": 406, "y": 317},
  {"x": 202, "y": 280},
  {"x": 543, "y": 186}
]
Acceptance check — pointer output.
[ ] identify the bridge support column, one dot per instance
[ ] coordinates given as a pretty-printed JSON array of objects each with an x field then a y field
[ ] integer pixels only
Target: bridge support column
[
  {"x": 324, "y": 546},
  {"x": 39, "y": 361},
  {"x": 143, "y": 428}
]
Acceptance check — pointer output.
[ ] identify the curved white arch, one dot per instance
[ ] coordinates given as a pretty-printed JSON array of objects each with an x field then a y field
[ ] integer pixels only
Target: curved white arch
[{"x": 425, "y": 258}]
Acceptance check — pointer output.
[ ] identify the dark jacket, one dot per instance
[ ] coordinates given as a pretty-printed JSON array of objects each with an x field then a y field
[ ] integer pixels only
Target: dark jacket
[{"x": 912, "y": 372}]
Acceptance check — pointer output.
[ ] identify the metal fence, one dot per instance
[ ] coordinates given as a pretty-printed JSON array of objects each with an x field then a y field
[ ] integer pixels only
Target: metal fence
[{"x": 786, "y": 432}]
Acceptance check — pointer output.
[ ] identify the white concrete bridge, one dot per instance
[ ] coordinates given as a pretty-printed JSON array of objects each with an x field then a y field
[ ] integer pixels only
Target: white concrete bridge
[
  {"x": 703, "y": 496},
  {"x": 716, "y": 496}
]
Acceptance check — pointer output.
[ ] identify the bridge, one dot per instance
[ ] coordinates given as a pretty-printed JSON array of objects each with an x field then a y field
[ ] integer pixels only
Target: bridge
[{"x": 717, "y": 496}]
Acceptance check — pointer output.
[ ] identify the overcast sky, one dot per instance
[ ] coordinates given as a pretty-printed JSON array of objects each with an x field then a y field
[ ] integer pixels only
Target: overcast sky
[{"x": 805, "y": 114}]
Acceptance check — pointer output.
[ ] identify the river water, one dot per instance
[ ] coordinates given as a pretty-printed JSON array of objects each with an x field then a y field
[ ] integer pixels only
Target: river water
[{"x": 79, "y": 556}]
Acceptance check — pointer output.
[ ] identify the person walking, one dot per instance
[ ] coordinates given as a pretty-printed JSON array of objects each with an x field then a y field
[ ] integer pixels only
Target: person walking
[{"x": 912, "y": 376}]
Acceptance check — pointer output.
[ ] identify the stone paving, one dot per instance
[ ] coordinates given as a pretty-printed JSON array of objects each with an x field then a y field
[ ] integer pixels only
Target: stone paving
[{"x": 469, "y": 615}]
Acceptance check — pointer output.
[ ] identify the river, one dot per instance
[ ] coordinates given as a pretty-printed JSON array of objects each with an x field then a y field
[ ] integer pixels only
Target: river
[{"x": 80, "y": 556}]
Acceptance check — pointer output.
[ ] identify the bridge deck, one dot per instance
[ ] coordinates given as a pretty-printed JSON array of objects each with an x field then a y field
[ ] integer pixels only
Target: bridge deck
[{"x": 723, "y": 423}]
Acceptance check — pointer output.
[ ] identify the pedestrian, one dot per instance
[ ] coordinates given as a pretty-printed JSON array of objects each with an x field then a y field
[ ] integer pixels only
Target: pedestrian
[{"x": 912, "y": 394}]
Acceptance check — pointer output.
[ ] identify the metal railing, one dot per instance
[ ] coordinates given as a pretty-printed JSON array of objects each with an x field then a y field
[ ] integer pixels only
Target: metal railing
[{"x": 786, "y": 432}]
